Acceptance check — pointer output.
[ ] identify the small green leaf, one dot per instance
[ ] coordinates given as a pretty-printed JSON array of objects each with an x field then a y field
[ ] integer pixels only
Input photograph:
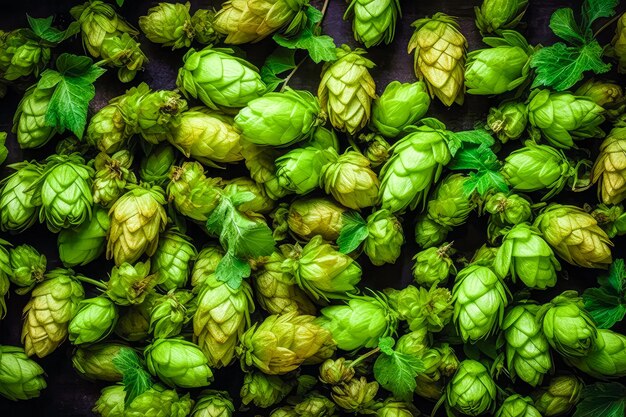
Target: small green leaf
[
  {"x": 43, "y": 29},
  {"x": 120, "y": 3},
  {"x": 602, "y": 399},
  {"x": 396, "y": 372},
  {"x": 607, "y": 304},
  {"x": 563, "y": 24},
  {"x": 596, "y": 9},
  {"x": 616, "y": 277},
  {"x": 232, "y": 270},
  {"x": 476, "y": 158},
  {"x": 279, "y": 62},
  {"x": 476, "y": 137},
  {"x": 484, "y": 181},
  {"x": 135, "y": 378},
  {"x": 386, "y": 344},
  {"x": 353, "y": 232}
]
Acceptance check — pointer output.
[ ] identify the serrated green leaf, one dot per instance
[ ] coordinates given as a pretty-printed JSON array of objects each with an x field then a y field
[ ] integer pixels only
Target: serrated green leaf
[
  {"x": 482, "y": 182},
  {"x": 475, "y": 158},
  {"x": 606, "y": 309},
  {"x": 596, "y": 9},
  {"x": 353, "y": 232},
  {"x": 385, "y": 344},
  {"x": 397, "y": 372},
  {"x": 477, "y": 137},
  {"x": 42, "y": 27},
  {"x": 602, "y": 400},
  {"x": 135, "y": 378},
  {"x": 563, "y": 24},
  {"x": 560, "y": 66},
  {"x": 616, "y": 277},
  {"x": 279, "y": 62},
  {"x": 232, "y": 270}
]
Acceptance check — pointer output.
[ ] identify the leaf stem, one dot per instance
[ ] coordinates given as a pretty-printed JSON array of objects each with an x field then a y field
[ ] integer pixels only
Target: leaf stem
[
  {"x": 606, "y": 25},
  {"x": 363, "y": 357},
  {"x": 324, "y": 8},
  {"x": 293, "y": 71},
  {"x": 98, "y": 284}
]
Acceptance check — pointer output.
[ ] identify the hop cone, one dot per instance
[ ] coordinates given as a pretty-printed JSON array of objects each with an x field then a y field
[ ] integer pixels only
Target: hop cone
[
  {"x": 300, "y": 169},
  {"x": 263, "y": 390},
  {"x": 559, "y": 397},
  {"x": 527, "y": 349},
  {"x": 213, "y": 404},
  {"x": 509, "y": 209},
  {"x": 261, "y": 203},
  {"x": 433, "y": 265},
  {"x": 172, "y": 258},
  {"x": 194, "y": 195},
  {"x": 159, "y": 402},
  {"x": 315, "y": 404},
  {"x": 356, "y": 396},
  {"x": 202, "y": 24},
  {"x": 360, "y": 322},
  {"x": 205, "y": 264},
  {"x": 18, "y": 208},
  {"x": 219, "y": 79},
  {"x": 65, "y": 192},
  {"x": 137, "y": 218},
  {"x": 392, "y": 408},
  {"x": 528, "y": 257},
  {"x": 517, "y": 406},
  {"x": 609, "y": 171},
  {"x": 112, "y": 174},
  {"x": 449, "y": 205},
  {"x": 575, "y": 236},
  {"x": 95, "y": 362},
  {"x": 471, "y": 391},
  {"x": 245, "y": 21},
  {"x": 21, "y": 378},
  {"x": 93, "y": 321},
  {"x": 376, "y": 149},
  {"x": 107, "y": 129},
  {"x": 429, "y": 233},
  {"x": 178, "y": 363},
  {"x": 170, "y": 313},
  {"x": 608, "y": 95},
  {"x": 155, "y": 114},
  {"x": 111, "y": 401},
  {"x": 315, "y": 216},
  {"x": 134, "y": 322},
  {"x": 22, "y": 53},
  {"x": 347, "y": 89},
  {"x": 280, "y": 344},
  {"x": 85, "y": 243},
  {"x": 281, "y": 118},
  {"x": 168, "y": 24},
  {"x": 124, "y": 53},
  {"x": 384, "y": 238},
  {"x": 276, "y": 291},
  {"x": 321, "y": 271},
  {"x": 374, "y": 21},
  {"x": 416, "y": 163},
  {"x": 570, "y": 330},
  {"x": 564, "y": 117},
  {"x": 336, "y": 371},
  {"x": 155, "y": 167},
  {"x": 351, "y": 181},
  {"x": 5, "y": 274},
  {"x": 260, "y": 161},
  {"x": 618, "y": 44},
  {"x": 131, "y": 284},
  {"x": 440, "y": 52},
  {"x": 501, "y": 68},
  {"x": 537, "y": 167},
  {"x": 495, "y": 15},
  {"x": 608, "y": 360},
  {"x": 29, "y": 122},
  {"x": 399, "y": 106},
  {"x": 220, "y": 319},
  {"x": 207, "y": 137},
  {"x": 480, "y": 298},
  {"x": 508, "y": 121},
  {"x": 52, "y": 305},
  {"x": 27, "y": 267},
  {"x": 423, "y": 308}
]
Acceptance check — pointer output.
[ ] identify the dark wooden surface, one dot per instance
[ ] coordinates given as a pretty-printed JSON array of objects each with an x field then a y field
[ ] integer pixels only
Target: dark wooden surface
[{"x": 67, "y": 395}]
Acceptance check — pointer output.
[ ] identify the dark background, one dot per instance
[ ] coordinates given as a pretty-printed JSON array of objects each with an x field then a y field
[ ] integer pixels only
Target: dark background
[{"x": 68, "y": 395}]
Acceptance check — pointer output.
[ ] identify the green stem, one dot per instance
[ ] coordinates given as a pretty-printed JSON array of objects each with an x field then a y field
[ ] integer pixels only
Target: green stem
[
  {"x": 606, "y": 25},
  {"x": 324, "y": 8},
  {"x": 363, "y": 357},
  {"x": 293, "y": 71},
  {"x": 98, "y": 284}
]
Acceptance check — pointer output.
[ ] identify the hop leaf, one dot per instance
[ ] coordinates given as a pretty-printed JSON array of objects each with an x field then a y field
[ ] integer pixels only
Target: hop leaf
[
  {"x": 279, "y": 62},
  {"x": 397, "y": 371},
  {"x": 135, "y": 378},
  {"x": 602, "y": 399},
  {"x": 607, "y": 303},
  {"x": 353, "y": 232}
]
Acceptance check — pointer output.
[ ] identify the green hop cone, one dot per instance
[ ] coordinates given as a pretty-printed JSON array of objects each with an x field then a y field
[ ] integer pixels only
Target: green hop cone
[
  {"x": 137, "y": 217},
  {"x": 570, "y": 330},
  {"x": 449, "y": 205},
  {"x": 441, "y": 363},
  {"x": 508, "y": 121},
  {"x": 280, "y": 344},
  {"x": 5, "y": 274},
  {"x": 433, "y": 266},
  {"x": 221, "y": 317},
  {"x": 376, "y": 149},
  {"x": 193, "y": 194},
  {"x": 608, "y": 95},
  {"x": 205, "y": 264},
  {"x": 275, "y": 290},
  {"x": 245, "y": 21},
  {"x": 85, "y": 243},
  {"x": 65, "y": 192},
  {"x": 315, "y": 405},
  {"x": 321, "y": 271},
  {"x": 537, "y": 167},
  {"x": 94, "y": 320},
  {"x": 336, "y": 371},
  {"x": 495, "y": 15},
  {"x": 208, "y": 137},
  {"x": 28, "y": 267},
  {"x": 374, "y": 21},
  {"x": 22, "y": 53},
  {"x": 324, "y": 138},
  {"x": 261, "y": 203},
  {"x": 170, "y": 313},
  {"x": 392, "y": 408},
  {"x": 219, "y": 79},
  {"x": 202, "y": 24},
  {"x": 130, "y": 284},
  {"x": 107, "y": 129},
  {"x": 525, "y": 255},
  {"x": 575, "y": 236},
  {"x": 564, "y": 117},
  {"x": 509, "y": 209},
  {"x": 168, "y": 24},
  {"x": 18, "y": 208},
  {"x": 609, "y": 358},
  {"x": 280, "y": 118},
  {"x": 420, "y": 307},
  {"x": 111, "y": 401},
  {"x": 611, "y": 219},
  {"x": 263, "y": 390},
  {"x": 501, "y": 68},
  {"x": 300, "y": 169},
  {"x": 359, "y": 323},
  {"x": 29, "y": 122},
  {"x": 47, "y": 314},
  {"x": 609, "y": 170},
  {"x": 213, "y": 403},
  {"x": 517, "y": 406},
  {"x": 155, "y": 167},
  {"x": 356, "y": 396},
  {"x": 124, "y": 53},
  {"x": 95, "y": 362},
  {"x": 618, "y": 44},
  {"x": 416, "y": 163},
  {"x": 472, "y": 390},
  {"x": 347, "y": 89},
  {"x": 439, "y": 60},
  {"x": 260, "y": 161},
  {"x": 172, "y": 259},
  {"x": 384, "y": 238},
  {"x": 178, "y": 363},
  {"x": 351, "y": 181},
  {"x": 21, "y": 378},
  {"x": 527, "y": 350},
  {"x": 310, "y": 217},
  {"x": 134, "y": 322},
  {"x": 159, "y": 402},
  {"x": 429, "y": 233},
  {"x": 480, "y": 297},
  {"x": 559, "y": 397},
  {"x": 399, "y": 106},
  {"x": 112, "y": 175},
  {"x": 155, "y": 114}
]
